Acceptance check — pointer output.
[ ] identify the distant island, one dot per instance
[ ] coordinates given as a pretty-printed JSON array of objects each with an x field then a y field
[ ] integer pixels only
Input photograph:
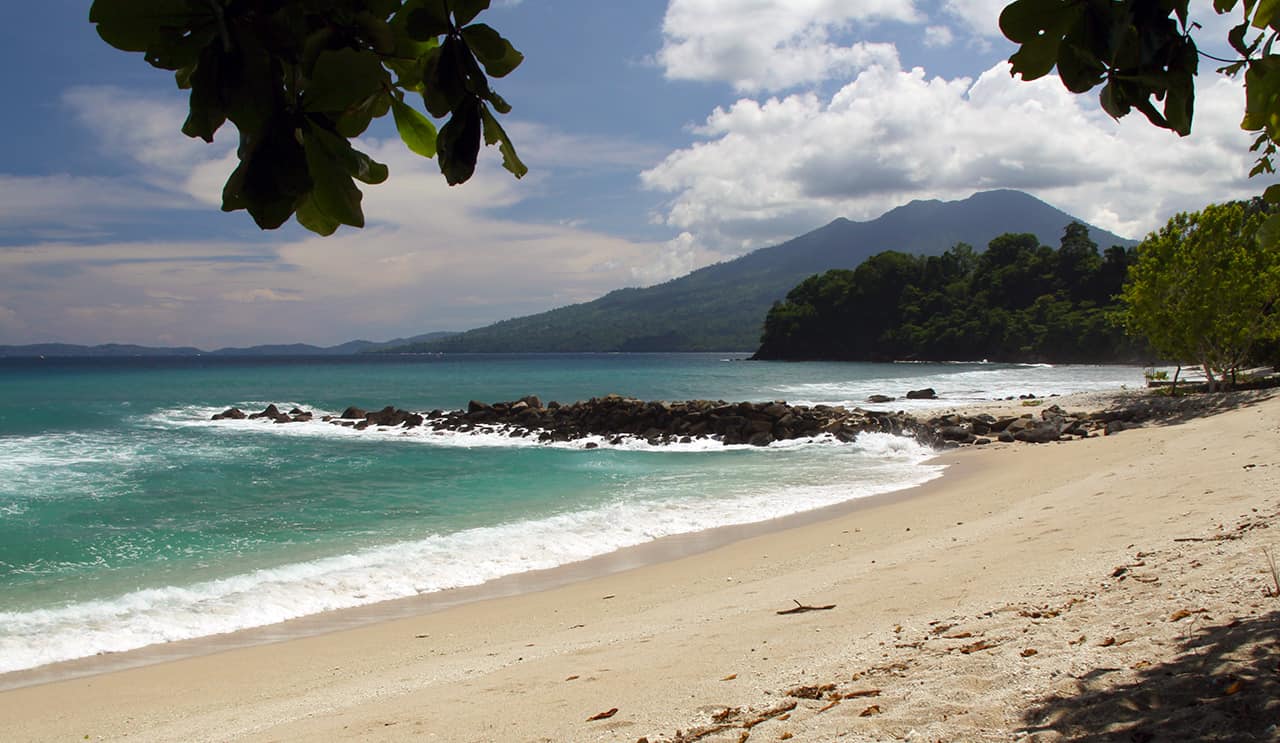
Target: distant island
[
  {"x": 1018, "y": 301},
  {"x": 116, "y": 350}
]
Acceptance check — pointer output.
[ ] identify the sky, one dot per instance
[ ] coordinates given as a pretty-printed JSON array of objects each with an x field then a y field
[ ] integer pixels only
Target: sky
[{"x": 660, "y": 137}]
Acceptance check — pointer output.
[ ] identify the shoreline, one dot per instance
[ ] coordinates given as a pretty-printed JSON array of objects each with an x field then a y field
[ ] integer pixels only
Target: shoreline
[
  {"x": 660, "y": 550},
  {"x": 659, "y": 642},
  {"x": 657, "y": 551}
]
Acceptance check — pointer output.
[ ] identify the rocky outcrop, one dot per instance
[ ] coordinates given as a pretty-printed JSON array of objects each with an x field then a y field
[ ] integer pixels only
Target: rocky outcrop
[{"x": 615, "y": 418}]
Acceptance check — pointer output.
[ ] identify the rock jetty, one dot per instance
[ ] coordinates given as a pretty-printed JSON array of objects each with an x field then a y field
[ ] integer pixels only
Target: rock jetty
[{"x": 614, "y": 418}]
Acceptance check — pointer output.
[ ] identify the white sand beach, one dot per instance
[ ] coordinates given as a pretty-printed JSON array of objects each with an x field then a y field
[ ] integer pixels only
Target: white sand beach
[{"x": 1114, "y": 587}]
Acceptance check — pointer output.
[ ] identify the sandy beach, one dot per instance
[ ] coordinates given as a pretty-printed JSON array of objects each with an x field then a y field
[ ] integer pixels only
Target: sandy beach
[{"x": 1108, "y": 588}]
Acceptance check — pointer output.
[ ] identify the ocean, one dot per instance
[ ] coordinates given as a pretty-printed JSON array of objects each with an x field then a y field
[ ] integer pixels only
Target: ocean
[{"x": 129, "y": 518}]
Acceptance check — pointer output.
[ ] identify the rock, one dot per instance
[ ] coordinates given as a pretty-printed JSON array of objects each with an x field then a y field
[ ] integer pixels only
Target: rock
[
  {"x": 925, "y": 394},
  {"x": 1115, "y": 426},
  {"x": 764, "y": 438},
  {"x": 1037, "y": 435},
  {"x": 1006, "y": 437},
  {"x": 533, "y": 402},
  {"x": 981, "y": 441},
  {"x": 878, "y": 399},
  {"x": 234, "y": 414},
  {"x": 271, "y": 411},
  {"x": 956, "y": 433},
  {"x": 353, "y": 413}
]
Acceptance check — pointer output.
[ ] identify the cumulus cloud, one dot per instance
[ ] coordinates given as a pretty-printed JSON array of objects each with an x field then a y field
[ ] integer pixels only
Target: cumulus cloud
[
  {"x": 982, "y": 17},
  {"x": 936, "y": 37},
  {"x": 765, "y": 171},
  {"x": 771, "y": 45}
]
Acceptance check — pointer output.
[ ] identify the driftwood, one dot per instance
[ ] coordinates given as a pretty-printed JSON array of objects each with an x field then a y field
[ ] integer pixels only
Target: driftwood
[{"x": 800, "y": 608}]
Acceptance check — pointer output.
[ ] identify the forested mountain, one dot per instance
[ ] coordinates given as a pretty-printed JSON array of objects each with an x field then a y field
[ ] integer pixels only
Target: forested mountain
[
  {"x": 722, "y": 307},
  {"x": 1017, "y": 301}
]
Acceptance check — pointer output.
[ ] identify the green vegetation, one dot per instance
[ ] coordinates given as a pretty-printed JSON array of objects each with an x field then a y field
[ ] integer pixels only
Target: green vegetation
[
  {"x": 1018, "y": 301},
  {"x": 1203, "y": 290},
  {"x": 300, "y": 79},
  {"x": 1142, "y": 52}
]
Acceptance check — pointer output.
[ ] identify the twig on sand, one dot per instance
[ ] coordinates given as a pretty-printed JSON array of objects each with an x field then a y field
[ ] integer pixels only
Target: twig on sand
[
  {"x": 603, "y": 715},
  {"x": 800, "y": 608},
  {"x": 1275, "y": 577}
]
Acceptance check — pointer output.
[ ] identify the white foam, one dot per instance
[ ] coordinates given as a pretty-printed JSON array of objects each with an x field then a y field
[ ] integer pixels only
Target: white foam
[{"x": 874, "y": 463}]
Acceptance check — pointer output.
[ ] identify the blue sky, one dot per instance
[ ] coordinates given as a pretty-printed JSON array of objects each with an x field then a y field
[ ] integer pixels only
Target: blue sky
[{"x": 661, "y": 137}]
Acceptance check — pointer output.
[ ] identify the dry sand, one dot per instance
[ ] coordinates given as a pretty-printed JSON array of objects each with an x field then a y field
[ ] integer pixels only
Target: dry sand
[{"x": 1109, "y": 588}]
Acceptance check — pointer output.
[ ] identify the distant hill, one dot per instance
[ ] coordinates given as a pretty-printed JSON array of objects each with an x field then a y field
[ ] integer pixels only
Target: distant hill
[
  {"x": 722, "y": 307},
  {"x": 294, "y": 349}
]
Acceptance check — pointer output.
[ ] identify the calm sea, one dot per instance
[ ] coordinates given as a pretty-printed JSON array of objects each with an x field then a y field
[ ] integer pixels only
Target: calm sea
[{"x": 128, "y": 518}]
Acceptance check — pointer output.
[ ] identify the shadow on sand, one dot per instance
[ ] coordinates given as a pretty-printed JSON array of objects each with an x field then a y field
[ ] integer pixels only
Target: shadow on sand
[
  {"x": 1223, "y": 686},
  {"x": 1174, "y": 409}
]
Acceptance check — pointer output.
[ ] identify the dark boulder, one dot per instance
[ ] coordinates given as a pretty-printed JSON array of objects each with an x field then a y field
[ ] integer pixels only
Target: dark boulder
[
  {"x": 880, "y": 399},
  {"x": 1037, "y": 434},
  {"x": 353, "y": 413},
  {"x": 233, "y": 414},
  {"x": 925, "y": 394}
]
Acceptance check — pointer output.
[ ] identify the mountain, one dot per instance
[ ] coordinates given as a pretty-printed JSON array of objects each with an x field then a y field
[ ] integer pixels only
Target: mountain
[
  {"x": 723, "y": 306},
  {"x": 294, "y": 349}
]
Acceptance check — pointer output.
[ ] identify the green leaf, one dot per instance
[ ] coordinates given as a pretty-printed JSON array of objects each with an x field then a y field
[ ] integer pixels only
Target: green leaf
[
  {"x": 272, "y": 175},
  {"x": 342, "y": 79},
  {"x": 333, "y": 190},
  {"x": 1265, "y": 13},
  {"x": 208, "y": 110},
  {"x": 458, "y": 145},
  {"x": 497, "y": 54},
  {"x": 499, "y": 103},
  {"x": 465, "y": 11},
  {"x": 356, "y": 119},
  {"x": 495, "y": 134},
  {"x": 134, "y": 25},
  {"x": 310, "y": 216},
  {"x": 417, "y": 131},
  {"x": 443, "y": 78},
  {"x": 427, "y": 19},
  {"x": 1262, "y": 94},
  {"x": 175, "y": 52},
  {"x": 1112, "y": 101},
  {"x": 1269, "y": 233},
  {"x": 1038, "y": 26},
  {"x": 382, "y": 8},
  {"x": 377, "y": 31}
]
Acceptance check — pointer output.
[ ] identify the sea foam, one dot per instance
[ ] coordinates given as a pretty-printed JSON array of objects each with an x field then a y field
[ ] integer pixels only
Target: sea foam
[{"x": 437, "y": 562}]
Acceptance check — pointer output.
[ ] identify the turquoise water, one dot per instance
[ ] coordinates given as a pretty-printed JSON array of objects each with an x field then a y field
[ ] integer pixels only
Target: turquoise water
[{"x": 127, "y": 517}]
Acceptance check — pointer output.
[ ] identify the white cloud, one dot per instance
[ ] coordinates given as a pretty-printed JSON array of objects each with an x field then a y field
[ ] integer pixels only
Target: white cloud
[
  {"x": 981, "y": 16},
  {"x": 936, "y": 37},
  {"x": 71, "y": 200},
  {"x": 770, "y": 44},
  {"x": 432, "y": 257},
  {"x": 147, "y": 132},
  {"x": 769, "y": 170}
]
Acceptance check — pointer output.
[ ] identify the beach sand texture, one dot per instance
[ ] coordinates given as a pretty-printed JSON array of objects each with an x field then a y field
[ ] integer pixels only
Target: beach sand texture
[{"x": 1109, "y": 588}]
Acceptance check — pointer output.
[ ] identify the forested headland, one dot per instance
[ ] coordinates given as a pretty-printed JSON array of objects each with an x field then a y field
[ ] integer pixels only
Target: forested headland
[{"x": 1017, "y": 301}]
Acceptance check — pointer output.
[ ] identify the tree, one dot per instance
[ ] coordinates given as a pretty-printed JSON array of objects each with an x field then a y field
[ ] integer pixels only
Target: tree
[
  {"x": 299, "y": 79},
  {"x": 1142, "y": 53},
  {"x": 1204, "y": 290}
]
